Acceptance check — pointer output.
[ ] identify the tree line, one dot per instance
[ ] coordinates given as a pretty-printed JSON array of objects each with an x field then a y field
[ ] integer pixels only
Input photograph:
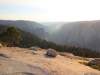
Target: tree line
[{"x": 30, "y": 39}]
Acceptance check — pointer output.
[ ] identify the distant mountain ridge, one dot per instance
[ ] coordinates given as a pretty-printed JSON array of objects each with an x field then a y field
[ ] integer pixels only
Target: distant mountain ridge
[
  {"x": 29, "y": 26},
  {"x": 52, "y": 23}
]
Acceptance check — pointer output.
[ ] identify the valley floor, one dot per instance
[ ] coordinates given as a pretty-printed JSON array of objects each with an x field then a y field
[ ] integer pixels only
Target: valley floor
[{"x": 22, "y": 61}]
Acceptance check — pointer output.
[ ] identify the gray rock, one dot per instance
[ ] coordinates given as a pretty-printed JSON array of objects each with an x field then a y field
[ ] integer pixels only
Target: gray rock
[
  {"x": 33, "y": 48},
  {"x": 95, "y": 61},
  {"x": 51, "y": 52}
]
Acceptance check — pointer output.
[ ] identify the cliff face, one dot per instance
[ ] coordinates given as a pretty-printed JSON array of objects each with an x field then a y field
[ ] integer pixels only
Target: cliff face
[
  {"x": 80, "y": 34},
  {"x": 40, "y": 32}
]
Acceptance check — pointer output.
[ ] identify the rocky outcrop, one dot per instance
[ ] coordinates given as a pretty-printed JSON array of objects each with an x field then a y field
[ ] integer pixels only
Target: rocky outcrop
[
  {"x": 51, "y": 52},
  {"x": 23, "y": 62}
]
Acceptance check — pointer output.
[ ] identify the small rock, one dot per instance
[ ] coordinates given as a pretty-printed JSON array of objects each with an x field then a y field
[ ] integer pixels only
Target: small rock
[
  {"x": 33, "y": 48},
  {"x": 51, "y": 52}
]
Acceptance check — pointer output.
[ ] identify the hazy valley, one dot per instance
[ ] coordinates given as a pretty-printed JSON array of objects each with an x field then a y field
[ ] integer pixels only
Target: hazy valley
[{"x": 80, "y": 34}]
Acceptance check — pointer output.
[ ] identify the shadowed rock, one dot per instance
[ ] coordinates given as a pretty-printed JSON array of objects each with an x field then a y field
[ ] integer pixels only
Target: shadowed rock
[{"x": 4, "y": 55}]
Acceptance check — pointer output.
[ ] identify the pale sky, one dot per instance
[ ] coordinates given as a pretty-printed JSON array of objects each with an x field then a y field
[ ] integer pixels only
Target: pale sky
[{"x": 50, "y": 10}]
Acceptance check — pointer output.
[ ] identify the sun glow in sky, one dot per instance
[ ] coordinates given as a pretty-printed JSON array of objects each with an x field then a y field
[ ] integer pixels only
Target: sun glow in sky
[{"x": 50, "y": 10}]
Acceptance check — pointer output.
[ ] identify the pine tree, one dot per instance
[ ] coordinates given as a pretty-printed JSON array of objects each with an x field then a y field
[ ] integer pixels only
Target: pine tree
[{"x": 11, "y": 35}]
